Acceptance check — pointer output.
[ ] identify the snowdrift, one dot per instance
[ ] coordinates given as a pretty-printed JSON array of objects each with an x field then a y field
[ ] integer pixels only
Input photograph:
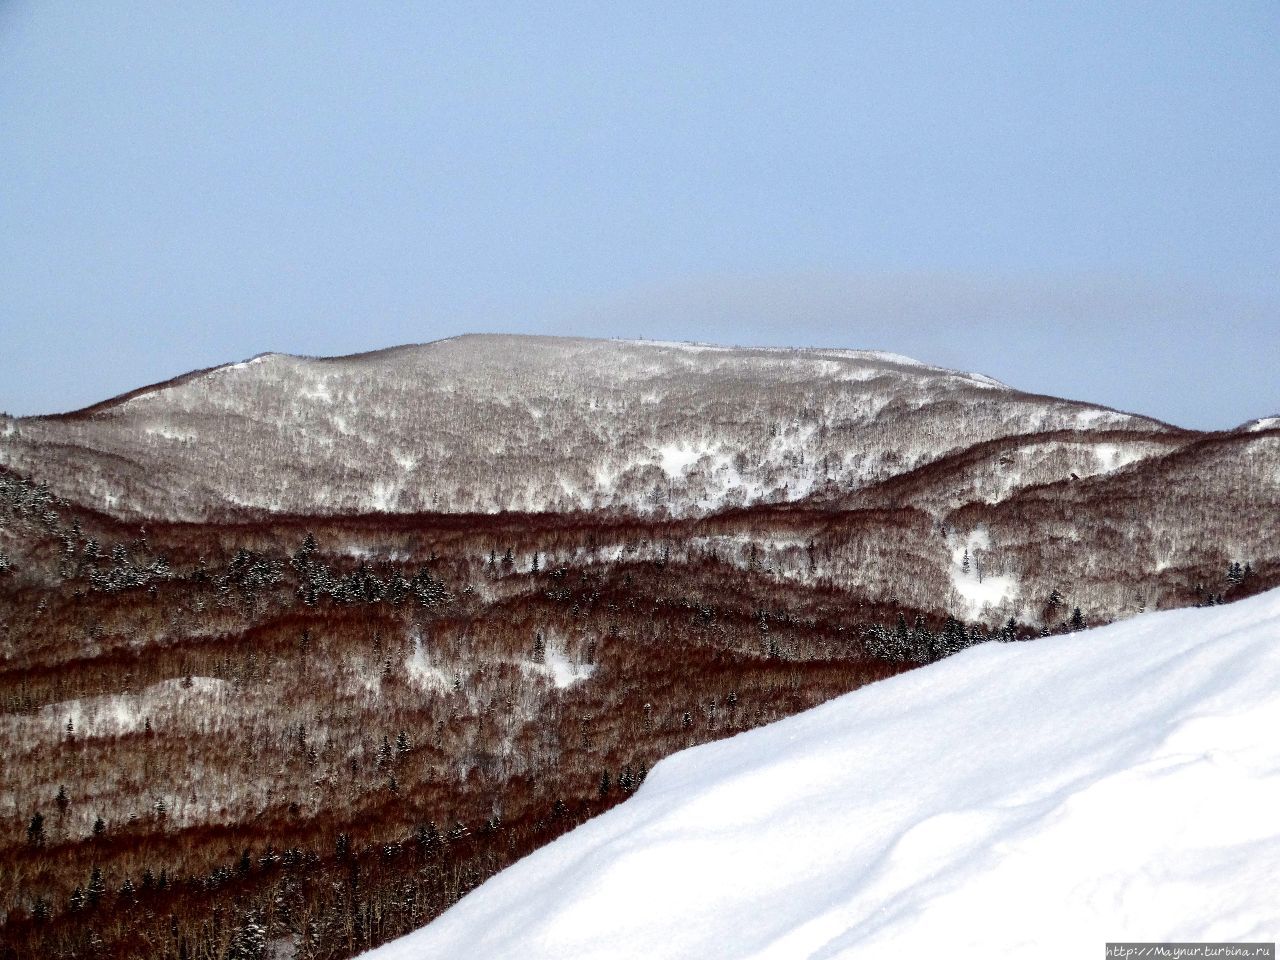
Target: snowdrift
[{"x": 1117, "y": 784}]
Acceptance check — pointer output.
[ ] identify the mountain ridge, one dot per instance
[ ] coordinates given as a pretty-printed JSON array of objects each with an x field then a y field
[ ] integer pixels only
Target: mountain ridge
[
  {"x": 762, "y": 450},
  {"x": 662, "y": 410},
  {"x": 883, "y": 356},
  {"x": 536, "y": 567}
]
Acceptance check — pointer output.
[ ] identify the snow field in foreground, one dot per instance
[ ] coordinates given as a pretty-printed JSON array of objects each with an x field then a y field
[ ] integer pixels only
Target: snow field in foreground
[{"x": 1033, "y": 798}]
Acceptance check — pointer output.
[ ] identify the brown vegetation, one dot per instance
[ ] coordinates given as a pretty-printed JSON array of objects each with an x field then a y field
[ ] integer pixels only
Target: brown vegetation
[
  {"x": 205, "y": 760},
  {"x": 319, "y": 732}
]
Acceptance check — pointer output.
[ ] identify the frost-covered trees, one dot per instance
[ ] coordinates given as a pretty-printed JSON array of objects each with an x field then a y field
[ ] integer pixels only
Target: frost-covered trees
[
  {"x": 250, "y": 940},
  {"x": 919, "y": 644},
  {"x": 953, "y": 637},
  {"x": 428, "y": 590},
  {"x": 97, "y": 887},
  {"x": 317, "y": 579},
  {"x": 1238, "y": 573}
]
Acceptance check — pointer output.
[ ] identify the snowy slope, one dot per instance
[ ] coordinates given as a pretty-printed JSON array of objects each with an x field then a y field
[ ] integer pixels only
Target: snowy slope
[
  {"x": 1117, "y": 784},
  {"x": 1260, "y": 424},
  {"x": 491, "y": 423}
]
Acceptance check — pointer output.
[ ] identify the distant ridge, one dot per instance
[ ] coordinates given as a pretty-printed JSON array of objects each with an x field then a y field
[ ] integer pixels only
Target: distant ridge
[{"x": 638, "y": 426}]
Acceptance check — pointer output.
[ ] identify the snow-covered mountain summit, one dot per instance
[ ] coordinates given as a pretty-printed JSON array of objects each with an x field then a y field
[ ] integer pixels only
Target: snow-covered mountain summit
[
  {"x": 491, "y": 423},
  {"x": 1016, "y": 799}
]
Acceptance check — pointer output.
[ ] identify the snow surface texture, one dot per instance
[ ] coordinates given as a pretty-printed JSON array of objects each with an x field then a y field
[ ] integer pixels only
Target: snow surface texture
[{"x": 1014, "y": 800}]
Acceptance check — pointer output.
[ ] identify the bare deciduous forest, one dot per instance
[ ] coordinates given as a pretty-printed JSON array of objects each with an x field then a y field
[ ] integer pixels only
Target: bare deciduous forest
[
  {"x": 223, "y": 737},
  {"x": 234, "y": 730}
]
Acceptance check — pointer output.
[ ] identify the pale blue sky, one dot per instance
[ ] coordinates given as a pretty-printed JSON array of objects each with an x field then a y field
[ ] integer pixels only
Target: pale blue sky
[{"x": 1080, "y": 199}]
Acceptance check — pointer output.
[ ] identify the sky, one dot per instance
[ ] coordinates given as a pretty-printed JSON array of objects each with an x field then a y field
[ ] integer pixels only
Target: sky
[{"x": 1079, "y": 199}]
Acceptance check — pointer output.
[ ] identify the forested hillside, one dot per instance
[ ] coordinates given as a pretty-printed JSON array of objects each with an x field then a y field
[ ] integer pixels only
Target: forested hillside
[
  {"x": 294, "y": 653},
  {"x": 486, "y": 424},
  {"x": 987, "y": 804}
]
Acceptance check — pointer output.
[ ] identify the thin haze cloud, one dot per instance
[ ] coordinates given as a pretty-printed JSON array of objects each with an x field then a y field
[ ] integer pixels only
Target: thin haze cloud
[
  {"x": 1173, "y": 351},
  {"x": 184, "y": 185}
]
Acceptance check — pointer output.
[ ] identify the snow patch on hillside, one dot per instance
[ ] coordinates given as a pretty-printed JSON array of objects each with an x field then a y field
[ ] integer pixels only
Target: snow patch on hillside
[
  {"x": 1262, "y": 423},
  {"x": 382, "y": 495},
  {"x": 988, "y": 381},
  {"x": 408, "y": 462},
  {"x": 116, "y": 714},
  {"x": 168, "y": 433},
  {"x": 318, "y": 389},
  {"x": 1092, "y": 418},
  {"x": 1017, "y": 799},
  {"x": 1113, "y": 456},
  {"x": 676, "y": 458},
  {"x": 244, "y": 364},
  {"x": 426, "y": 674},
  {"x": 559, "y": 669},
  {"x": 978, "y": 590},
  {"x": 885, "y": 356},
  {"x": 985, "y": 594}
]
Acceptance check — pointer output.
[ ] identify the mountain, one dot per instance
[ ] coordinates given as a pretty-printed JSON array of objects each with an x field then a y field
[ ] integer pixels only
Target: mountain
[
  {"x": 830, "y": 466},
  {"x": 1113, "y": 785},
  {"x": 301, "y": 651},
  {"x": 494, "y": 423}
]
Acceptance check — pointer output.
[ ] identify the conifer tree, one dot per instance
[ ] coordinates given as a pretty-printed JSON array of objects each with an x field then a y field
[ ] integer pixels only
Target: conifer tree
[
  {"x": 901, "y": 638},
  {"x": 250, "y": 940},
  {"x": 35, "y": 830},
  {"x": 96, "y": 889}
]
